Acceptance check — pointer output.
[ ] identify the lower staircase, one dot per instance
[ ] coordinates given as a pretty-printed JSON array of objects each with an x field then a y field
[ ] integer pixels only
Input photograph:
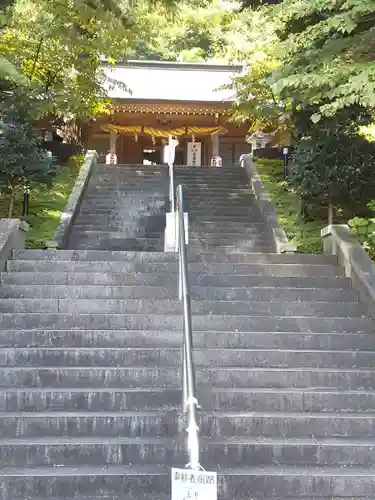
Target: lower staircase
[{"x": 91, "y": 373}]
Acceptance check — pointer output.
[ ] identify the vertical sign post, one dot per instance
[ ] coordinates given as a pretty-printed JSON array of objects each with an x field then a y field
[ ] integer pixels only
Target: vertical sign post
[
  {"x": 285, "y": 153},
  {"x": 25, "y": 204}
]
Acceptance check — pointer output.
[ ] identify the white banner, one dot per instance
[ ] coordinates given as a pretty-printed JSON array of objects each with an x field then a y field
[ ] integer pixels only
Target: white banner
[
  {"x": 170, "y": 151},
  {"x": 194, "y": 154}
]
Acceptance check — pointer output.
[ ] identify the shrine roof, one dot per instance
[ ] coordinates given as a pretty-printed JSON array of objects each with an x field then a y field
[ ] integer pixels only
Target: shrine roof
[{"x": 170, "y": 81}]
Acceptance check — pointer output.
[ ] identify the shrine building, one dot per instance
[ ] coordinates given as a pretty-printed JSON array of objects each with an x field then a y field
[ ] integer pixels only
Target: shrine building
[{"x": 154, "y": 99}]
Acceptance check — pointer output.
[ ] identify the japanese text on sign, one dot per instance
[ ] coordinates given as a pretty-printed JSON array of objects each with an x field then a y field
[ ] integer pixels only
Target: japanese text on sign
[{"x": 193, "y": 485}]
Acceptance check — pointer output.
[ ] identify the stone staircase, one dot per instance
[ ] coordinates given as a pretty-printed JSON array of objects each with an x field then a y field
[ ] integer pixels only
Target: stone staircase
[
  {"x": 222, "y": 210},
  {"x": 123, "y": 209},
  {"x": 91, "y": 361}
]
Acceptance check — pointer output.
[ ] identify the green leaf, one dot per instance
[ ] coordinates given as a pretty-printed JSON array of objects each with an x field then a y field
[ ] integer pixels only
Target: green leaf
[{"x": 316, "y": 117}]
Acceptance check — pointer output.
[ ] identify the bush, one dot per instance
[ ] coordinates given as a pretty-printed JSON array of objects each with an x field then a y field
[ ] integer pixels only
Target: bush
[
  {"x": 23, "y": 161},
  {"x": 364, "y": 229},
  {"x": 306, "y": 235}
]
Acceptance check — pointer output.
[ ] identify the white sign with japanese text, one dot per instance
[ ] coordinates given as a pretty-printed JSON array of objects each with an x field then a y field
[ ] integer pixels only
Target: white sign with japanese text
[
  {"x": 190, "y": 484},
  {"x": 194, "y": 154}
]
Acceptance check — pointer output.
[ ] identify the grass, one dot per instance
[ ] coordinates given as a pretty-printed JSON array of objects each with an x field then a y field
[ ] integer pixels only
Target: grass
[
  {"x": 306, "y": 235},
  {"x": 45, "y": 205}
]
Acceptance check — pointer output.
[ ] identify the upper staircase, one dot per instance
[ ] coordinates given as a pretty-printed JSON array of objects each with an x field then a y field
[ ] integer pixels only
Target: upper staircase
[
  {"x": 123, "y": 209},
  {"x": 90, "y": 365},
  {"x": 223, "y": 212}
]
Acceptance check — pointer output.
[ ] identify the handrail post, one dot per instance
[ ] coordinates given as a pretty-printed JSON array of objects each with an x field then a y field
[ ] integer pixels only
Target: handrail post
[
  {"x": 171, "y": 188},
  {"x": 190, "y": 403}
]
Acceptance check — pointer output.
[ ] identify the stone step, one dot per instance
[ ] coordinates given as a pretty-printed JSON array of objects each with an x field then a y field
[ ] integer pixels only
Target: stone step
[
  {"x": 196, "y": 293},
  {"x": 189, "y": 205},
  {"x": 100, "y": 193},
  {"x": 158, "y": 219},
  {"x": 171, "y": 424},
  {"x": 206, "y": 187},
  {"x": 124, "y": 177},
  {"x": 169, "y": 279},
  {"x": 223, "y": 217},
  {"x": 123, "y": 167},
  {"x": 120, "y": 399},
  {"x": 217, "y": 211},
  {"x": 221, "y": 204},
  {"x": 82, "y": 242},
  {"x": 127, "y": 230},
  {"x": 233, "y": 224},
  {"x": 125, "y": 202},
  {"x": 258, "y": 247},
  {"x": 133, "y": 171},
  {"x": 175, "y": 307},
  {"x": 224, "y": 209},
  {"x": 227, "y": 268},
  {"x": 214, "y": 181},
  {"x": 132, "y": 185},
  {"x": 204, "y": 238},
  {"x": 101, "y": 399},
  {"x": 237, "y": 225},
  {"x": 217, "y": 453},
  {"x": 153, "y": 188},
  {"x": 167, "y": 356},
  {"x": 241, "y": 269},
  {"x": 95, "y": 255},
  {"x": 102, "y": 167},
  {"x": 265, "y": 483},
  {"x": 129, "y": 208},
  {"x": 131, "y": 174},
  {"x": 214, "y": 339},
  {"x": 139, "y": 191},
  {"x": 202, "y": 231},
  {"x": 195, "y": 237},
  {"x": 111, "y": 172},
  {"x": 115, "y": 235},
  {"x": 100, "y": 321},
  {"x": 111, "y": 376}
]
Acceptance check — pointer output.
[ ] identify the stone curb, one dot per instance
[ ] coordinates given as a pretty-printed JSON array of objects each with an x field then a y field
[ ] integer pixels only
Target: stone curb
[
  {"x": 339, "y": 241},
  {"x": 267, "y": 207},
  {"x": 12, "y": 237},
  {"x": 72, "y": 207}
]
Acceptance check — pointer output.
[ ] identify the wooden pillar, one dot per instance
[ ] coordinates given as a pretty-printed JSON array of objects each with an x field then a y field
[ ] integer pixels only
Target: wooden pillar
[
  {"x": 215, "y": 144},
  {"x": 112, "y": 141}
]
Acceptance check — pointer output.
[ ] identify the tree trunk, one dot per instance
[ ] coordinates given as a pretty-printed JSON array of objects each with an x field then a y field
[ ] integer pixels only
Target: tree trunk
[
  {"x": 331, "y": 211},
  {"x": 11, "y": 204}
]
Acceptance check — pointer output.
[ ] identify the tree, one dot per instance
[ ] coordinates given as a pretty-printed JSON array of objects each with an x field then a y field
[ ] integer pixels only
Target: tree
[
  {"x": 197, "y": 31},
  {"x": 326, "y": 52},
  {"x": 334, "y": 164},
  {"x": 23, "y": 162},
  {"x": 255, "y": 101},
  {"x": 59, "y": 45},
  {"x": 257, "y": 104}
]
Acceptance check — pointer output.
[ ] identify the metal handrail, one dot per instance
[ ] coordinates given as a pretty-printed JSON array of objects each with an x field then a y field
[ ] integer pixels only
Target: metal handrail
[
  {"x": 189, "y": 397},
  {"x": 171, "y": 188}
]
